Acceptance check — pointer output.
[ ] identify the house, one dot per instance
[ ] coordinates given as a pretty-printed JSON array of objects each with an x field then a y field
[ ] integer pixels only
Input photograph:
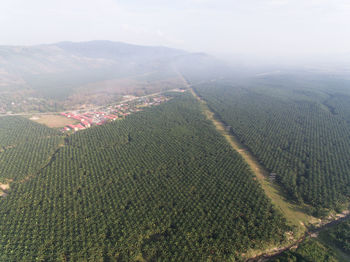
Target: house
[
  {"x": 85, "y": 123},
  {"x": 111, "y": 117},
  {"x": 79, "y": 127},
  {"x": 76, "y": 127},
  {"x": 76, "y": 117},
  {"x": 114, "y": 117}
]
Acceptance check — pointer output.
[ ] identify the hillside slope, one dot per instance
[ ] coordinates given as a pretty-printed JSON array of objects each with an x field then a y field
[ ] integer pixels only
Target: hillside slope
[{"x": 65, "y": 75}]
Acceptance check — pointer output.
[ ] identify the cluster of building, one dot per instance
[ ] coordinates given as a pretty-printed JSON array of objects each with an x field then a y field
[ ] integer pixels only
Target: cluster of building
[
  {"x": 87, "y": 119},
  {"x": 110, "y": 113}
]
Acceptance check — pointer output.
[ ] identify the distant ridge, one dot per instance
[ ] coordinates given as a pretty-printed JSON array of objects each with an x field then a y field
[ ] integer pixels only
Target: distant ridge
[
  {"x": 20, "y": 64},
  {"x": 114, "y": 50},
  {"x": 67, "y": 74}
]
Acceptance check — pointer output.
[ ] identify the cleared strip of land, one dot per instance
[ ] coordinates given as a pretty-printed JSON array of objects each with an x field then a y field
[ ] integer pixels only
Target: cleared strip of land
[{"x": 294, "y": 213}]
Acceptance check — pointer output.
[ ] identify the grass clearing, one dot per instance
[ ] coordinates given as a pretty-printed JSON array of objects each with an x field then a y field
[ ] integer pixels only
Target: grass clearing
[
  {"x": 53, "y": 121},
  {"x": 294, "y": 213}
]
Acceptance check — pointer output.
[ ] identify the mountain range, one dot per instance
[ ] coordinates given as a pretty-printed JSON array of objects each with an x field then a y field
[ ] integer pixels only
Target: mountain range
[{"x": 67, "y": 74}]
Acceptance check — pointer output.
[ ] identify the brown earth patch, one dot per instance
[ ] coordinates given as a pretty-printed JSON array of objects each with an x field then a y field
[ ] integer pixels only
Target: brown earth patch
[
  {"x": 3, "y": 189},
  {"x": 53, "y": 121}
]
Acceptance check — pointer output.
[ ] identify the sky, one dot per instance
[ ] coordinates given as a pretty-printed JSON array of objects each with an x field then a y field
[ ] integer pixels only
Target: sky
[{"x": 279, "y": 28}]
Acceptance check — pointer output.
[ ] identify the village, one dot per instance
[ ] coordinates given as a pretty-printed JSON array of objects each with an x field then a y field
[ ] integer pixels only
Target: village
[{"x": 87, "y": 118}]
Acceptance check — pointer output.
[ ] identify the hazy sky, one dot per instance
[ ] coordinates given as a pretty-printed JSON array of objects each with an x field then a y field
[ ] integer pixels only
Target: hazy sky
[{"x": 278, "y": 27}]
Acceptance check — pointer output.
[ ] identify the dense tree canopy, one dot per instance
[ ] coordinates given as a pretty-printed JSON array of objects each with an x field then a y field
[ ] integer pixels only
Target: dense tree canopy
[
  {"x": 297, "y": 129},
  {"x": 340, "y": 236},
  {"x": 25, "y": 147},
  {"x": 309, "y": 251},
  {"x": 160, "y": 185}
]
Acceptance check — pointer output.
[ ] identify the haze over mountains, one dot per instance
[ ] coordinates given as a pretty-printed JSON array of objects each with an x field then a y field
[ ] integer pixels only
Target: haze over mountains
[
  {"x": 89, "y": 72},
  {"x": 20, "y": 64},
  {"x": 68, "y": 65}
]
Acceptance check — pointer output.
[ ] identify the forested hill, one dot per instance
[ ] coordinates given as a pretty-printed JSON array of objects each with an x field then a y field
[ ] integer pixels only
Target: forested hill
[
  {"x": 58, "y": 76},
  {"x": 297, "y": 126},
  {"x": 20, "y": 64},
  {"x": 160, "y": 185}
]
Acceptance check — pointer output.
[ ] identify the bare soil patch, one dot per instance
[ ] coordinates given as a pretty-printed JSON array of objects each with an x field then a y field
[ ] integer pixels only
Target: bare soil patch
[
  {"x": 53, "y": 121},
  {"x": 3, "y": 189}
]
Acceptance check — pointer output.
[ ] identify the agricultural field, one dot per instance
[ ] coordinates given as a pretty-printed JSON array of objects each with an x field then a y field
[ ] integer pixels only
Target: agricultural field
[
  {"x": 25, "y": 147},
  {"x": 297, "y": 128},
  {"x": 294, "y": 213},
  {"x": 160, "y": 185},
  {"x": 53, "y": 121}
]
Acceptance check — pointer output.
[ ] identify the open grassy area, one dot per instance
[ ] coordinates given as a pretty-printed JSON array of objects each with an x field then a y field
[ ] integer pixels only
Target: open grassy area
[
  {"x": 294, "y": 213},
  {"x": 53, "y": 121}
]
